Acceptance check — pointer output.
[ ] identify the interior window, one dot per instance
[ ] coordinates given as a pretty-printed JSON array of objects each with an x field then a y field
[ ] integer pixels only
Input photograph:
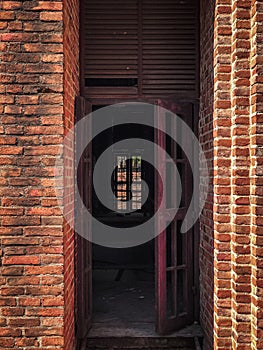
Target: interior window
[{"x": 127, "y": 183}]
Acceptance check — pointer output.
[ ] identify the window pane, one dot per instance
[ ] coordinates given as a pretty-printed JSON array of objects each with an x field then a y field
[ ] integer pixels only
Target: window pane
[
  {"x": 169, "y": 185},
  {"x": 170, "y": 294},
  {"x": 136, "y": 186},
  {"x": 180, "y": 239},
  {"x": 128, "y": 182},
  {"x": 120, "y": 182},
  {"x": 168, "y": 141},
  {"x": 168, "y": 246},
  {"x": 181, "y": 171},
  {"x": 181, "y": 289}
]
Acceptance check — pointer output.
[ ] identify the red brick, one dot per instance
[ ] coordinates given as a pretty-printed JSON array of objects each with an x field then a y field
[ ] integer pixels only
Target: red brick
[
  {"x": 21, "y": 260},
  {"x": 12, "y": 109},
  {"x": 21, "y": 221},
  {"x": 11, "y": 5},
  {"x": 6, "y": 342},
  {"x": 24, "y": 322},
  {"x": 45, "y": 312},
  {"x": 13, "y": 311},
  {"x": 7, "y": 15},
  {"x": 51, "y": 16},
  {"x": 29, "y": 301},
  {"x": 44, "y": 5},
  {"x": 49, "y": 341}
]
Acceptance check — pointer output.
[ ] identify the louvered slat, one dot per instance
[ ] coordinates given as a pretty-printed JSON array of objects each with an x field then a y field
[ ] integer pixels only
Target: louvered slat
[
  {"x": 169, "y": 45},
  {"x": 153, "y": 41},
  {"x": 111, "y": 43}
]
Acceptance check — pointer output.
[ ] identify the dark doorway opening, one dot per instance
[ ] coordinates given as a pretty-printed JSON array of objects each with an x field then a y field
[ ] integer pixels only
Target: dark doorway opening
[
  {"x": 124, "y": 279},
  {"x": 150, "y": 287}
]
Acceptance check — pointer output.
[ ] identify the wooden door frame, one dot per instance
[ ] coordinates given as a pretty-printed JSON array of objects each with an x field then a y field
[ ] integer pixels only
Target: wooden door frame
[
  {"x": 166, "y": 324},
  {"x": 196, "y": 229}
]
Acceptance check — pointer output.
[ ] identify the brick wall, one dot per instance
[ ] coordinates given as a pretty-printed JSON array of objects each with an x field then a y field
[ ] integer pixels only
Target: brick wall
[
  {"x": 240, "y": 173},
  {"x": 206, "y": 140},
  {"x": 36, "y": 309},
  {"x": 71, "y": 89},
  {"x": 256, "y": 173},
  {"x": 237, "y": 148},
  {"x": 222, "y": 175}
]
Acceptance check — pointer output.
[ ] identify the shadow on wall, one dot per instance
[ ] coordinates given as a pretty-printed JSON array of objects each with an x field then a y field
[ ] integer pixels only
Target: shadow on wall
[{"x": 207, "y": 10}]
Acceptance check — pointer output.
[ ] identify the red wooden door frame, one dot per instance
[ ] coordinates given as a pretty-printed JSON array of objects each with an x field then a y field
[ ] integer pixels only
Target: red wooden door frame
[{"x": 166, "y": 324}]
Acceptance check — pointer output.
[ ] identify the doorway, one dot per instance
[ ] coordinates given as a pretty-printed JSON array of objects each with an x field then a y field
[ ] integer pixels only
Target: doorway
[
  {"x": 139, "y": 51},
  {"x": 162, "y": 274}
]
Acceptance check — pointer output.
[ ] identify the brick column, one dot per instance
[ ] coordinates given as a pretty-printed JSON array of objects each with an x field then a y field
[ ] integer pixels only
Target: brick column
[
  {"x": 240, "y": 172},
  {"x": 238, "y": 161},
  {"x": 222, "y": 176},
  {"x": 207, "y": 9},
  {"x": 256, "y": 111},
  {"x": 71, "y": 89},
  {"x": 31, "y": 131},
  {"x": 37, "y": 283}
]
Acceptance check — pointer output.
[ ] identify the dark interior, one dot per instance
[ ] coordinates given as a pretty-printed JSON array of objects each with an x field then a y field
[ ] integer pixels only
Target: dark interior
[
  {"x": 123, "y": 279},
  {"x": 123, "y": 287}
]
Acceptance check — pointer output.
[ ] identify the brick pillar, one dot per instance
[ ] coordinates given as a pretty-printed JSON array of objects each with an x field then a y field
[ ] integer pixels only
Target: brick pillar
[
  {"x": 237, "y": 177},
  {"x": 37, "y": 283},
  {"x": 71, "y": 89},
  {"x": 222, "y": 176},
  {"x": 256, "y": 112},
  {"x": 207, "y": 9},
  {"x": 240, "y": 172}
]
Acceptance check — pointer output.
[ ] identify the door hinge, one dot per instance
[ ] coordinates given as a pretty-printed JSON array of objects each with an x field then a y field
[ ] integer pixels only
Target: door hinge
[{"x": 194, "y": 289}]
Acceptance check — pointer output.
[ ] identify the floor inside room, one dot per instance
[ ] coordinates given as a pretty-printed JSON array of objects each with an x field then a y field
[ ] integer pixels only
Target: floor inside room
[
  {"x": 124, "y": 294},
  {"x": 123, "y": 291},
  {"x": 125, "y": 307}
]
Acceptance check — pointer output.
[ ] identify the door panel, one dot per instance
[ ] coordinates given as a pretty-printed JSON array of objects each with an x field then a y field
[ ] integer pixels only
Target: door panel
[
  {"x": 174, "y": 250},
  {"x": 83, "y": 246}
]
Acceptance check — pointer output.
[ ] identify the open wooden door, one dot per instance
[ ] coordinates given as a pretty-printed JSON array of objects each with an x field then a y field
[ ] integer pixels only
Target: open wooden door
[
  {"x": 174, "y": 250},
  {"x": 83, "y": 246}
]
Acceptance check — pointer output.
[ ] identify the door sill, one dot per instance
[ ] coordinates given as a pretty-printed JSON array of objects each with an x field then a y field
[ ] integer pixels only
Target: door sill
[
  {"x": 140, "y": 330},
  {"x": 175, "y": 342}
]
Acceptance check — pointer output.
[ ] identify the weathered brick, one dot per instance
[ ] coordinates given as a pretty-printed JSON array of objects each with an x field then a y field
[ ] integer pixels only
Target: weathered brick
[
  {"x": 7, "y": 15},
  {"x": 43, "y": 5},
  {"x": 11, "y": 5},
  {"x": 21, "y": 260},
  {"x": 51, "y": 16},
  {"x": 29, "y": 301},
  {"x": 21, "y": 221}
]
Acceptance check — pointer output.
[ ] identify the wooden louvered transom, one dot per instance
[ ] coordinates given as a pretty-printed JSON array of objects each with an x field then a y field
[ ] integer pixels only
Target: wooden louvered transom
[{"x": 140, "y": 48}]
